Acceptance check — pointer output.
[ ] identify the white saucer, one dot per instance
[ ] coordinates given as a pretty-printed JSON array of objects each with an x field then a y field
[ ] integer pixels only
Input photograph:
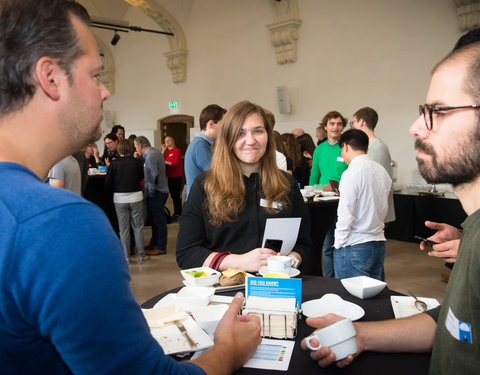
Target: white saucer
[
  {"x": 332, "y": 303},
  {"x": 264, "y": 270}
]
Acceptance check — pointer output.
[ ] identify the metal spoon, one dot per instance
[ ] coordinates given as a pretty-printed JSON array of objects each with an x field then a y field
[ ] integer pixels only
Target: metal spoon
[{"x": 420, "y": 305}]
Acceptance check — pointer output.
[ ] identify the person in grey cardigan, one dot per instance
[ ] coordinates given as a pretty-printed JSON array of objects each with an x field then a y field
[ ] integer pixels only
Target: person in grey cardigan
[
  {"x": 365, "y": 119},
  {"x": 156, "y": 193}
]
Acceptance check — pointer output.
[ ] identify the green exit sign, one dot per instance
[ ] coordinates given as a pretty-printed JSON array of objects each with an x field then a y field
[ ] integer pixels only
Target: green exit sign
[{"x": 173, "y": 104}]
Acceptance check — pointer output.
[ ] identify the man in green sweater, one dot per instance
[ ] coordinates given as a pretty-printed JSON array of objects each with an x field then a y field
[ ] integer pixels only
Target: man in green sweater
[
  {"x": 447, "y": 136},
  {"x": 327, "y": 159},
  {"x": 329, "y": 165}
]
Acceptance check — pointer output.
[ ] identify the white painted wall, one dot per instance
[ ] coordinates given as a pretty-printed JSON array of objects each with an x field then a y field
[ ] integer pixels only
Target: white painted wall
[{"x": 351, "y": 54}]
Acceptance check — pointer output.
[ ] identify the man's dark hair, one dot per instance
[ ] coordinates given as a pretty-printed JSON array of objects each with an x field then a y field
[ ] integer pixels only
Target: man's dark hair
[
  {"x": 330, "y": 115},
  {"x": 369, "y": 115},
  {"x": 30, "y": 30},
  {"x": 111, "y": 136},
  {"x": 356, "y": 139},
  {"x": 211, "y": 112},
  {"x": 473, "y": 36}
]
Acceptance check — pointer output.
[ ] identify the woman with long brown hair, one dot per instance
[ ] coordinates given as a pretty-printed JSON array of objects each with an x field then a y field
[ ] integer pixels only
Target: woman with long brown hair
[
  {"x": 224, "y": 218},
  {"x": 300, "y": 167}
]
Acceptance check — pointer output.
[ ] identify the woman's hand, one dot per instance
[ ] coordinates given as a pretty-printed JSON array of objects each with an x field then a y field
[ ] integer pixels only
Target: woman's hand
[{"x": 249, "y": 262}]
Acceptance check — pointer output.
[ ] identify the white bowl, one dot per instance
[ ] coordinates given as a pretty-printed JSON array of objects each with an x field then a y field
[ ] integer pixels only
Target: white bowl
[
  {"x": 363, "y": 286},
  {"x": 208, "y": 317},
  {"x": 211, "y": 279},
  {"x": 191, "y": 297}
]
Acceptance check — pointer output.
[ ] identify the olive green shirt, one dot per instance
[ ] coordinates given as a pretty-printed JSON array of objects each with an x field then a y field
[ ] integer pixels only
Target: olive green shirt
[{"x": 459, "y": 314}]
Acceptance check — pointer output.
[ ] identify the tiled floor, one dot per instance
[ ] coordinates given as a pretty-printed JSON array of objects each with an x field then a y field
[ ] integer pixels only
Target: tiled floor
[{"x": 406, "y": 267}]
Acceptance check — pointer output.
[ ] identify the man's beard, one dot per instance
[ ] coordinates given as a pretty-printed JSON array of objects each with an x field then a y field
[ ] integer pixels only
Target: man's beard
[{"x": 461, "y": 167}]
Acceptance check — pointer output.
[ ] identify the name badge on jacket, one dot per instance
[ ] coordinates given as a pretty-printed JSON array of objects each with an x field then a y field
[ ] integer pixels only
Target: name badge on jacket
[{"x": 264, "y": 203}]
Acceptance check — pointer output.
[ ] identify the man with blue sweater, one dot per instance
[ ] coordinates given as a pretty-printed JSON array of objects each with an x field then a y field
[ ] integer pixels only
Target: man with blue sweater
[
  {"x": 64, "y": 283},
  {"x": 199, "y": 152}
]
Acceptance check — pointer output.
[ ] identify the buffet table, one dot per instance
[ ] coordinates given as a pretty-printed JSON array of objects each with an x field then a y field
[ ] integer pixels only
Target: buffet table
[
  {"x": 376, "y": 308},
  {"x": 322, "y": 214},
  {"x": 96, "y": 192},
  {"x": 412, "y": 209}
]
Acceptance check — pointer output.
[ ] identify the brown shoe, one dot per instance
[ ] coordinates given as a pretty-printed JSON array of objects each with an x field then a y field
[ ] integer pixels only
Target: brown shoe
[
  {"x": 155, "y": 252},
  {"x": 149, "y": 247}
]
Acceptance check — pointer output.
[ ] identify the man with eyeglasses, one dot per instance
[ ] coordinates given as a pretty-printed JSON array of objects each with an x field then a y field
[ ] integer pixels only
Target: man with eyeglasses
[{"x": 447, "y": 136}]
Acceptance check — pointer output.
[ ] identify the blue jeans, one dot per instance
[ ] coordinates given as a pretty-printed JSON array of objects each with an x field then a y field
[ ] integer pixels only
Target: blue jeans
[
  {"x": 327, "y": 250},
  {"x": 365, "y": 259},
  {"x": 156, "y": 211}
]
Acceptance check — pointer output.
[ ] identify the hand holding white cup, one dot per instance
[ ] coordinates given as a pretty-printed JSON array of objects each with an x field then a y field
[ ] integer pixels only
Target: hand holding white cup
[
  {"x": 279, "y": 263},
  {"x": 339, "y": 337}
]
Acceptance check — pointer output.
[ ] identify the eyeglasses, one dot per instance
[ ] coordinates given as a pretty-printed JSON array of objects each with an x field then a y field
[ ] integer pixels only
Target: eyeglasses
[
  {"x": 351, "y": 124},
  {"x": 427, "y": 110}
]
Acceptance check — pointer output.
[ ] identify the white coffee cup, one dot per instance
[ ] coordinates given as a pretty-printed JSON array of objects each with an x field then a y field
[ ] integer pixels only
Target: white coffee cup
[
  {"x": 309, "y": 188},
  {"x": 279, "y": 263},
  {"x": 339, "y": 337}
]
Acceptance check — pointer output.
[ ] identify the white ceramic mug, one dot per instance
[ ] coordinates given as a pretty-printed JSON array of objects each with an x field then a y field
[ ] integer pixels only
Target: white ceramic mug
[
  {"x": 339, "y": 337},
  {"x": 279, "y": 263}
]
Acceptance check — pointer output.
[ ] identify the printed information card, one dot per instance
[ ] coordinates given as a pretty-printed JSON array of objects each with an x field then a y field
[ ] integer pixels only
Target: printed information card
[
  {"x": 272, "y": 355},
  {"x": 274, "y": 288}
]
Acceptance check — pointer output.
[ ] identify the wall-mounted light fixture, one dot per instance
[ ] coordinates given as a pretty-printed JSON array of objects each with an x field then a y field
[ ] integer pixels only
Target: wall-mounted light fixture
[
  {"x": 120, "y": 26},
  {"x": 115, "y": 38}
]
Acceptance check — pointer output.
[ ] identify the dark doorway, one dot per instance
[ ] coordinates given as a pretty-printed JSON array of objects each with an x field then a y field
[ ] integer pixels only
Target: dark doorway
[{"x": 178, "y": 127}]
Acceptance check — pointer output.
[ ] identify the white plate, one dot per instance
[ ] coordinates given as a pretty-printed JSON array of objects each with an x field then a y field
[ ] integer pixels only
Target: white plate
[
  {"x": 173, "y": 341},
  {"x": 329, "y": 194},
  {"x": 221, "y": 288},
  {"x": 264, "y": 270},
  {"x": 404, "y": 306},
  {"x": 331, "y": 303},
  {"x": 318, "y": 199}
]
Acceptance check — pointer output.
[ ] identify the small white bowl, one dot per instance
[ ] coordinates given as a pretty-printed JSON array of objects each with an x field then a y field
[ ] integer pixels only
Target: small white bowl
[
  {"x": 191, "y": 297},
  {"x": 208, "y": 317},
  {"x": 363, "y": 286},
  {"x": 211, "y": 279}
]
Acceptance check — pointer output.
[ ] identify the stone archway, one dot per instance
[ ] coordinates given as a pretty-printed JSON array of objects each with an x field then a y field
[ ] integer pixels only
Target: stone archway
[{"x": 177, "y": 56}]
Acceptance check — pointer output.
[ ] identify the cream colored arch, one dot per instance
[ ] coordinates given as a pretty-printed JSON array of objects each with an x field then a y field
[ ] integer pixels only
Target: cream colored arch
[
  {"x": 177, "y": 56},
  {"x": 284, "y": 30},
  {"x": 108, "y": 74},
  {"x": 468, "y": 14}
]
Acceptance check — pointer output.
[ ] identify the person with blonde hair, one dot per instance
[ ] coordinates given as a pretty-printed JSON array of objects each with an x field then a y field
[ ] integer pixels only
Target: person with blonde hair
[
  {"x": 174, "y": 173},
  {"x": 224, "y": 218}
]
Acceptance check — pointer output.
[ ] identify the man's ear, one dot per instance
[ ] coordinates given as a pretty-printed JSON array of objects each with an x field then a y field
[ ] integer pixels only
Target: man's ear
[
  {"x": 210, "y": 124},
  {"x": 48, "y": 75}
]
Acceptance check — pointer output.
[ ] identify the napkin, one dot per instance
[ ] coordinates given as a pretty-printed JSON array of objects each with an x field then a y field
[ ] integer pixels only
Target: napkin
[
  {"x": 161, "y": 316},
  {"x": 283, "y": 304},
  {"x": 278, "y": 316}
]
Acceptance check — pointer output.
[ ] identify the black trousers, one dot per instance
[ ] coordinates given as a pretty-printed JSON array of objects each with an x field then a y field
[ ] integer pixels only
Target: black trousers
[{"x": 175, "y": 187}]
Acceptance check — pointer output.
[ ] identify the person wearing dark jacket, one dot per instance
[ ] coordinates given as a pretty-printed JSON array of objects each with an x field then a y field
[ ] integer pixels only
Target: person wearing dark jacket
[{"x": 124, "y": 177}]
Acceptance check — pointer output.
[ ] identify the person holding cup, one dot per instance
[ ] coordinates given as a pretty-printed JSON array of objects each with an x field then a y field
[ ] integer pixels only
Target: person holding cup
[{"x": 223, "y": 220}]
